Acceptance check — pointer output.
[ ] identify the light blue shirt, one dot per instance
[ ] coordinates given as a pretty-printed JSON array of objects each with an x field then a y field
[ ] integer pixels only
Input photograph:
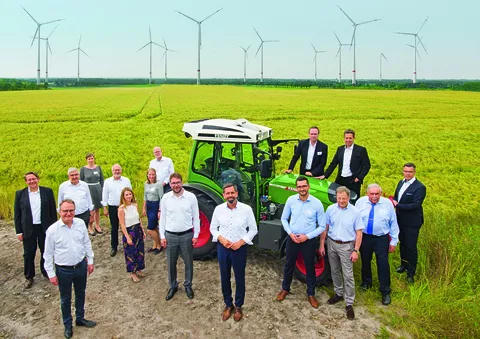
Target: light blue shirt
[
  {"x": 384, "y": 218},
  {"x": 343, "y": 222},
  {"x": 304, "y": 216}
]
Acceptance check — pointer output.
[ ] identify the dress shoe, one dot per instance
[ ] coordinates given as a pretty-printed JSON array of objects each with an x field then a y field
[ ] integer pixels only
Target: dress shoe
[
  {"x": 386, "y": 300},
  {"x": 238, "y": 315},
  {"x": 113, "y": 252},
  {"x": 410, "y": 279},
  {"x": 86, "y": 323},
  {"x": 98, "y": 232},
  {"x": 227, "y": 312},
  {"x": 350, "y": 313},
  {"x": 313, "y": 301},
  {"x": 28, "y": 283},
  {"x": 335, "y": 299},
  {"x": 189, "y": 292},
  {"x": 401, "y": 269},
  {"x": 365, "y": 286},
  {"x": 68, "y": 333},
  {"x": 281, "y": 296},
  {"x": 171, "y": 293}
]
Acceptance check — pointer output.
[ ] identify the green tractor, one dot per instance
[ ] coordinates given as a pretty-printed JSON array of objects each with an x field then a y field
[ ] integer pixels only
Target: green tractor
[{"x": 243, "y": 153}]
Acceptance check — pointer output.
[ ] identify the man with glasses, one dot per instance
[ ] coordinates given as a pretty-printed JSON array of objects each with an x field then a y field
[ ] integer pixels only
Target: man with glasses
[
  {"x": 68, "y": 248},
  {"x": 164, "y": 168},
  {"x": 303, "y": 219},
  {"x": 78, "y": 191},
  {"x": 179, "y": 229}
]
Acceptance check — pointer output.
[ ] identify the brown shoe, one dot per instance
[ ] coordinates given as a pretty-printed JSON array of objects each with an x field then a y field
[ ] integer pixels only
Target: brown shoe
[
  {"x": 313, "y": 301},
  {"x": 335, "y": 299},
  {"x": 227, "y": 312},
  {"x": 281, "y": 296},
  {"x": 350, "y": 313},
  {"x": 238, "y": 315},
  {"x": 28, "y": 283}
]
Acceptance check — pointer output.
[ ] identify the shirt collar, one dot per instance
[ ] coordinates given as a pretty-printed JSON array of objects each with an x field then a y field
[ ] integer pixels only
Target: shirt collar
[
  {"x": 410, "y": 181},
  {"x": 308, "y": 198},
  {"x": 343, "y": 209},
  {"x": 351, "y": 147},
  {"x": 37, "y": 191}
]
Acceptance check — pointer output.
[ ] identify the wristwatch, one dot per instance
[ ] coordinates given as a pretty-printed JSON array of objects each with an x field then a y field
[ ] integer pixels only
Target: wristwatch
[{"x": 356, "y": 251}]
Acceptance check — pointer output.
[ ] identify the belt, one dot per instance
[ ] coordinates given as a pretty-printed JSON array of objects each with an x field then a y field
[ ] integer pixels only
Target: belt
[
  {"x": 93, "y": 184},
  {"x": 180, "y": 233},
  {"x": 376, "y": 236},
  {"x": 71, "y": 267},
  {"x": 341, "y": 242}
]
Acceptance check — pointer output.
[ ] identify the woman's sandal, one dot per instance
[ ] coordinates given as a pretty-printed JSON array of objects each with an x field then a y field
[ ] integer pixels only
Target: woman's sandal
[{"x": 134, "y": 277}]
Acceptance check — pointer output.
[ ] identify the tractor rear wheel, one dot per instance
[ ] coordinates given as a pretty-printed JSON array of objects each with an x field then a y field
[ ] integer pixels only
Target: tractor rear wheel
[
  {"x": 322, "y": 269},
  {"x": 205, "y": 249}
]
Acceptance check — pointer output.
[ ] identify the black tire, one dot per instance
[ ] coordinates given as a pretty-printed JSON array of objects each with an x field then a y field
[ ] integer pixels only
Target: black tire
[
  {"x": 323, "y": 277},
  {"x": 205, "y": 248}
]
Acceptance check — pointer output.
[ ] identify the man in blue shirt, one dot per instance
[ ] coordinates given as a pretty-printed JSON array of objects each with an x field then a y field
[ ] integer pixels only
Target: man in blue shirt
[
  {"x": 380, "y": 236},
  {"x": 303, "y": 219},
  {"x": 344, "y": 229}
]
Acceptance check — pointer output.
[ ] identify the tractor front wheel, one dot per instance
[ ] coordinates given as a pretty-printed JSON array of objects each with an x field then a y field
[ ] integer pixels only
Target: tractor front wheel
[
  {"x": 205, "y": 249},
  {"x": 322, "y": 269}
]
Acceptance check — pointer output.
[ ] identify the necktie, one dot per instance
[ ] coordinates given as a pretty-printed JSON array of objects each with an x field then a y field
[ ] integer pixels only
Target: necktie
[{"x": 370, "y": 220}]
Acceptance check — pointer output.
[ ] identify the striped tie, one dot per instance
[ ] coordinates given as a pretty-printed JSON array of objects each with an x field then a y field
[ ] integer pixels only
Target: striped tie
[{"x": 370, "y": 220}]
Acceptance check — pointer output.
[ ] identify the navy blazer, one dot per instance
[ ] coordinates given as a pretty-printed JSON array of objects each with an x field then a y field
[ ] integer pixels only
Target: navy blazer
[
  {"x": 359, "y": 164},
  {"x": 319, "y": 157},
  {"x": 23, "y": 213},
  {"x": 409, "y": 209}
]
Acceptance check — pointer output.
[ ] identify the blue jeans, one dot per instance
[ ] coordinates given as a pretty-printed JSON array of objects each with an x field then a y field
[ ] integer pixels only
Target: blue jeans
[
  {"x": 66, "y": 276},
  {"x": 227, "y": 259}
]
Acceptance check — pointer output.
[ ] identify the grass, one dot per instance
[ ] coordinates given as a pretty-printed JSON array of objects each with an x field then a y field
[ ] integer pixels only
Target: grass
[{"x": 49, "y": 131}]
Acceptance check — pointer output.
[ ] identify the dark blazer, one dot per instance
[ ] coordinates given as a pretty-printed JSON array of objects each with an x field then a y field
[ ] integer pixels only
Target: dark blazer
[
  {"x": 319, "y": 157},
  {"x": 23, "y": 213},
  {"x": 409, "y": 208},
  {"x": 359, "y": 164}
]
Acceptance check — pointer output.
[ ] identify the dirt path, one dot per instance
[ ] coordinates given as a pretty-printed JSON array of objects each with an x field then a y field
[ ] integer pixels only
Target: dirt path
[{"x": 123, "y": 309}]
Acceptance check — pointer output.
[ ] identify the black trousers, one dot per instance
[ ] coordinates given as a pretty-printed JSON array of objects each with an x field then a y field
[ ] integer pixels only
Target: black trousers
[
  {"x": 68, "y": 276},
  {"x": 30, "y": 250},
  {"x": 349, "y": 183},
  {"x": 85, "y": 216},
  {"x": 307, "y": 249},
  {"x": 378, "y": 245},
  {"x": 115, "y": 223},
  {"x": 408, "y": 238}
]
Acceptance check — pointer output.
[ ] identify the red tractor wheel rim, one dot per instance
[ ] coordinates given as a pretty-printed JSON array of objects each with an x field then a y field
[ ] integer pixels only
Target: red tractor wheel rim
[
  {"x": 204, "y": 235},
  {"x": 319, "y": 264}
]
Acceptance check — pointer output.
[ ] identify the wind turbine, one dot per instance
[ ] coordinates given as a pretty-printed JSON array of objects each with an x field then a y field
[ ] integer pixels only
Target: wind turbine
[
  {"x": 150, "y": 43},
  {"x": 354, "y": 75},
  {"x": 78, "y": 49},
  {"x": 199, "y": 37},
  {"x": 261, "y": 48},
  {"x": 165, "y": 54},
  {"x": 339, "y": 54},
  {"x": 47, "y": 48},
  {"x": 37, "y": 32},
  {"x": 382, "y": 56},
  {"x": 245, "y": 57},
  {"x": 415, "y": 47},
  {"x": 315, "y": 59}
]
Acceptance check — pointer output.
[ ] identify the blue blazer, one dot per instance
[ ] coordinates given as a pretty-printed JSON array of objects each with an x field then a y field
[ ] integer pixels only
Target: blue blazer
[{"x": 409, "y": 209}]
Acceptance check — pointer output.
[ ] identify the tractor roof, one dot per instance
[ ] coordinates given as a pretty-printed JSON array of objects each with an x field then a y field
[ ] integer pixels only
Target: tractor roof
[{"x": 240, "y": 130}]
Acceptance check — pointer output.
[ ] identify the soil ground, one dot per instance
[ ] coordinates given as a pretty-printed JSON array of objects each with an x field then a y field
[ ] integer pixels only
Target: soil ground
[{"x": 123, "y": 309}]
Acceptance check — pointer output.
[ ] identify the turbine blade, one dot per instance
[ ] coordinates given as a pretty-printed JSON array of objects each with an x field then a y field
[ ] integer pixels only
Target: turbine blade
[
  {"x": 148, "y": 43},
  {"x": 163, "y": 55},
  {"x": 258, "y": 50},
  {"x": 211, "y": 15},
  {"x": 81, "y": 50},
  {"x": 418, "y": 54},
  {"x": 353, "y": 22},
  {"x": 188, "y": 17},
  {"x": 422, "y": 25},
  {"x": 164, "y": 43},
  {"x": 48, "y": 45},
  {"x": 34, "y": 36},
  {"x": 404, "y": 33},
  {"x": 53, "y": 30},
  {"x": 249, "y": 46},
  {"x": 353, "y": 36},
  {"x": 367, "y": 22},
  {"x": 49, "y": 22},
  {"x": 314, "y": 57},
  {"x": 243, "y": 49},
  {"x": 258, "y": 35},
  {"x": 150, "y": 33},
  {"x": 383, "y": 55},
  {"x": 338, "y": 51},
  {"x": 272, "y": 41},
  {"x": 79, "y": 41},
  {"x": 72, "y": 50},
  {"x": 422, "y": 44},
  {"x": 337, "y": 37},
  {"x": 158, "y": 45},
  {"x": 313, "y": 47},
  {"x": 30, "y": 15}
]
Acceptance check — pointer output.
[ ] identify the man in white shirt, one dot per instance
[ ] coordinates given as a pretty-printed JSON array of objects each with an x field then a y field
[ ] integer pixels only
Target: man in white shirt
[
  {"x": 68, "y": 247},
  {"x": 179, "y": 229},
  {"x": 112, "y": 189},
  {"x": 164, "y": 168},
  {"x": 233, "y": 226},
  {"x": 78, "y": 191}
]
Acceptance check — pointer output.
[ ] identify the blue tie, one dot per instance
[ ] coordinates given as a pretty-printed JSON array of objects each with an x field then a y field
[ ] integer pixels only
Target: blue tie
[{"x": 370, "y": 221}]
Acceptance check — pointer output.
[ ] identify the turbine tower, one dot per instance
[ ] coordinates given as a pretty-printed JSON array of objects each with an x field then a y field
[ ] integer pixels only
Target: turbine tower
[
  {"x": 315, "y": 59},
  {"x": 199, "y": 37},
  {"x": 354, "y": 71},
  {"x": 382, "y": 56},
  {"x": 165, "y": 54},
  {"x": 150, "y": 43},
  {"x": 415, "y": 47},
  {"x": 47, "y": 48},
  {"x": 37, "y": 35},
  {"x": 261, "y": 48},
  {"x": 339, "y": 54},
  {"x": 78, "y": 49},
  {"x": 245, "y": 57}
]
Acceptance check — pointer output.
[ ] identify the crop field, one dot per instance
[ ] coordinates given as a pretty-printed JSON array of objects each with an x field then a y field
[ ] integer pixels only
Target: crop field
[{"x": 49, "y": 131}]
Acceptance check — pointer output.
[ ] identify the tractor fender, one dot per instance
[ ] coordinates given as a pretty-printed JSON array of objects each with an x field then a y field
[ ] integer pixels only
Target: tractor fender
[{"x": 199, "y": 188}]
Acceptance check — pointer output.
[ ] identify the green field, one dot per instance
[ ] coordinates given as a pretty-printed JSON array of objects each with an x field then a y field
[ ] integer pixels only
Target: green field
[{"x": 49, "y": 131}]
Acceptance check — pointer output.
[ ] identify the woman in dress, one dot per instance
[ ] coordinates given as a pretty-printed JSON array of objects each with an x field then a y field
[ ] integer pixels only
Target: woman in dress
[
  {"x": 133, "y": 234},
  {"x": 93, "y": 176},
  {"x": 153, "y": 192}
]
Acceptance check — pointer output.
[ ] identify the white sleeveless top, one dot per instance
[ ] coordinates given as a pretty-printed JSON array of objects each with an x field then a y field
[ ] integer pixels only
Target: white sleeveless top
[{"x": 131, "y": 215}]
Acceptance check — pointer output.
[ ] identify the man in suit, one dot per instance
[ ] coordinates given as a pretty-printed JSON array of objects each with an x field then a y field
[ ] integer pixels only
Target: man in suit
[
  {"x": 34, "y": 212},
  {"x": 313, "y": 153},
  {"x": 408, "y": 200},
  {"x": 353, "y": 164}
]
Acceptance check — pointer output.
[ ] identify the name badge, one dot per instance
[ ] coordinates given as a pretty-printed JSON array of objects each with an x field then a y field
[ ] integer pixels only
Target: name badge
[
  {"x": 319, "y": 153},
  {"x": 95, "y": 172},
  {"x": 152, "y": 189}
]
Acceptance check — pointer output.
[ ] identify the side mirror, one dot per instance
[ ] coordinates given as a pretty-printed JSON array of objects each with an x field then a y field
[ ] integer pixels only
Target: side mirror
[
  {"x": 279, "y": 149},
  {"x": 266, "y": 168}
]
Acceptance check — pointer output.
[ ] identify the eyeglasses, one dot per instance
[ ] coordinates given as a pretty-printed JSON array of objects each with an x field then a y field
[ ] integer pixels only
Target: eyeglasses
[
  {"x": 73, "y": 175},
  {"x": 67, "y": 211},
  {"x": 176, "y": 183}
]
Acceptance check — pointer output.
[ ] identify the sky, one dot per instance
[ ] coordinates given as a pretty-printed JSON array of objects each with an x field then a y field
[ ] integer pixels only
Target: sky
[{"x": 113, "y": 30}]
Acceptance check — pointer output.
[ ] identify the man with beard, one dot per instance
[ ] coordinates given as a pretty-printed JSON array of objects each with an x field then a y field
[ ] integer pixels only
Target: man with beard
[{"x": 233, "y": 226}]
